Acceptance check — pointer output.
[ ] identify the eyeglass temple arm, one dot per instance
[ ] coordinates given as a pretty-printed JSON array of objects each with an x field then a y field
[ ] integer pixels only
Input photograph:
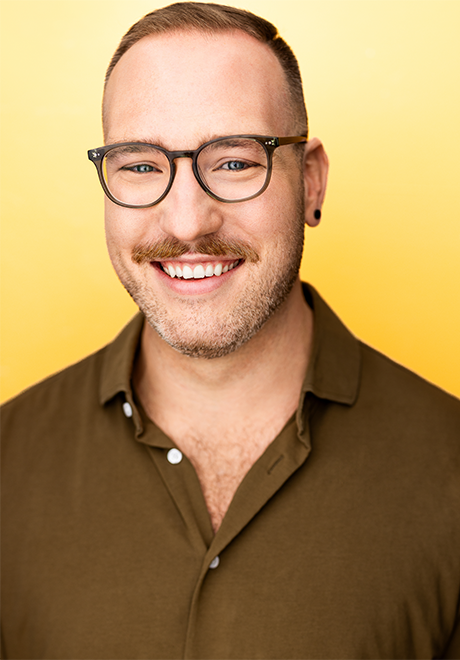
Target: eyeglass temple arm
[{"x": 292, "y": 140}]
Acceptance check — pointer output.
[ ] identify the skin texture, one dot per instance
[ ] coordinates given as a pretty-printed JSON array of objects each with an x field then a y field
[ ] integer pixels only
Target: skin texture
[{"x": 225, "y": 392}]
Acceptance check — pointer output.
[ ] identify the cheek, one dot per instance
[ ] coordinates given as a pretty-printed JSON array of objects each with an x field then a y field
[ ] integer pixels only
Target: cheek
[
  {"x": 112, "y": 222},
  {"x": 124, "y": 227},
  {"x": 266, "y": 217}
]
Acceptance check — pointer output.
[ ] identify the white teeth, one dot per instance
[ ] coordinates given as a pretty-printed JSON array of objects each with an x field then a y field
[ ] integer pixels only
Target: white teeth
[{"x": 198, "y": 272}]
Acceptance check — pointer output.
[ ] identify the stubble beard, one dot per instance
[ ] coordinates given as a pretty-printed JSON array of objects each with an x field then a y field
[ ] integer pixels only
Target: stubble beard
[{"x": 198, "y": 332}]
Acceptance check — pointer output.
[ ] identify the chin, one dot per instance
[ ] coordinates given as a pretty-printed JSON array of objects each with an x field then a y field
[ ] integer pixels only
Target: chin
[{"x": 216, "y": 342}]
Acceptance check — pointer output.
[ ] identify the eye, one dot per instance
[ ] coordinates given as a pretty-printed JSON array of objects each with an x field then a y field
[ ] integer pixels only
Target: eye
[
  {"x": 143, "y": 168},
  {"x": 235, "y": 165}
]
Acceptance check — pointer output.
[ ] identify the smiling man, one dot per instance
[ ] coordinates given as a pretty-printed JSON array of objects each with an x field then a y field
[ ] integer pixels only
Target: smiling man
[{"x": 235, "y": 476}]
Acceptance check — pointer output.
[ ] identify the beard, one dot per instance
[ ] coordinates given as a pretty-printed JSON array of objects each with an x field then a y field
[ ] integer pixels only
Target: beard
[{"x": 198, "y": 330}]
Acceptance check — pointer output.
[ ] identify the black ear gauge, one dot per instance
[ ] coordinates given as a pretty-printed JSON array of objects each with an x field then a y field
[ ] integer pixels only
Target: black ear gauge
[{"x": 317, "y": 214}]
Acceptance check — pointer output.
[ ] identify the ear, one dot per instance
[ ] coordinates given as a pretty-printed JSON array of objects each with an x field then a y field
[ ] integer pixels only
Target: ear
[{"x": 315, "y": 169}]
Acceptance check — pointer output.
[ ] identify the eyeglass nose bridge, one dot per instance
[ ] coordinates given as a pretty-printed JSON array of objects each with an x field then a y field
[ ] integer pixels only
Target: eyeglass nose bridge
[{"x": 172, "y": 157}]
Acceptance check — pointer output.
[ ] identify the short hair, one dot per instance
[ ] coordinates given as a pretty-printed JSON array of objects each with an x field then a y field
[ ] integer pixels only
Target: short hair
[{"x": 211, "y": 18}]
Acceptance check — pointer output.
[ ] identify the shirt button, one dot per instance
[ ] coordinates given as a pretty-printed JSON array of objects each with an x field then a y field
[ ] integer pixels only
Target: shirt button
[
  {"x": 174, "y": 456},
  {"x": 127, "y": 409},
  {"x": 215, "y": 562}
]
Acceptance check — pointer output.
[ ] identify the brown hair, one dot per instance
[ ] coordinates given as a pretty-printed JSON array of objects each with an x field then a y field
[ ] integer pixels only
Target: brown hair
[{"x": 210, "y": 17}]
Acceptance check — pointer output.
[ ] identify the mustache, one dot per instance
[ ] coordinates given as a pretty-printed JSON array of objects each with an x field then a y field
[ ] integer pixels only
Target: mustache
[{"x": 171, "y": 248}]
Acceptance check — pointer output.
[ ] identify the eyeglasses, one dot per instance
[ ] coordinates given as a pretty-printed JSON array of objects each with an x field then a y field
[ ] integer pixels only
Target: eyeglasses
[{"x": 229, "y": 169}]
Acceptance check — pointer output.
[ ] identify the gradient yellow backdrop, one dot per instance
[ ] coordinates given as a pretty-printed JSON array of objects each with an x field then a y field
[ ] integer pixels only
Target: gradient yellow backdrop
[{"x": 382, "y": 87}]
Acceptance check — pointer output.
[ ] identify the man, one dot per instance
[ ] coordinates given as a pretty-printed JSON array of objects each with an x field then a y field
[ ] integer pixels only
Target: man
[{"x": 237, "y": 476}]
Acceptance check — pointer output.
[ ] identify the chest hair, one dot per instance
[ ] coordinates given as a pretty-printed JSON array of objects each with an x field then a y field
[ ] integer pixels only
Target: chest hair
[{"x": 222, "y": 461}]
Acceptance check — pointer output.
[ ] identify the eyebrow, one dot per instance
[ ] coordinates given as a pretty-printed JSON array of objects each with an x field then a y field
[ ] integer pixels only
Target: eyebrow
[
  {"x": 159, "y": 143},
  {"x": 137, "y": 139}
]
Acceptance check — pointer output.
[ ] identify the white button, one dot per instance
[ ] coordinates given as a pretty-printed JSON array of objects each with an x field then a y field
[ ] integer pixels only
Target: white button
[
  {"x": 127, "y": 409},
  {"x": 174, "y": 456},
  {"x": 215, "y": 562}
]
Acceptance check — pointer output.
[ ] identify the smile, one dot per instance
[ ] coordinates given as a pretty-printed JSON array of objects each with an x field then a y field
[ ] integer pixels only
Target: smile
[{"x": 198, "y": 271}]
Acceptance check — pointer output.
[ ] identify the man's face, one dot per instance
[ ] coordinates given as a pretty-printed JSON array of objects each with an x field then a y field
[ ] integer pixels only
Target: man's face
[{"x": 178, "y": 91}]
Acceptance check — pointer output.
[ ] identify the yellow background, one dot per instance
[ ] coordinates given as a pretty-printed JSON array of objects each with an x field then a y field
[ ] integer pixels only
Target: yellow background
[{"x": 382, "y": 87}]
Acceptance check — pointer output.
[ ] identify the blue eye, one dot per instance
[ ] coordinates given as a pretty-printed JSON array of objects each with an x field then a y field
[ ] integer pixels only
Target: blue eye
[
  {"x": 235, "y": 165},
  {"x": 143, "y": 168}
]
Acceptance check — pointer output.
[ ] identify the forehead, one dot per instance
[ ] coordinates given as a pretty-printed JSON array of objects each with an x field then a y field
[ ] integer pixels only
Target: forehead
[{"x": 189, "y": 86}]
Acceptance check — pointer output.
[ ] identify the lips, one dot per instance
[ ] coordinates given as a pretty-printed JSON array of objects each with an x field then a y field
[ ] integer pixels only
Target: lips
[{"x": 197, "y": 271}]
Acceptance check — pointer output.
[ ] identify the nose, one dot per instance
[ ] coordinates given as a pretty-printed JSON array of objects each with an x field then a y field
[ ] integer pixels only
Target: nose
[{"x": 187, "y": 212}]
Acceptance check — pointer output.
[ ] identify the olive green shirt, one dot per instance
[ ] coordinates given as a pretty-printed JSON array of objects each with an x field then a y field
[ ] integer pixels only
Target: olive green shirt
[{"x": 342, "y": 541}]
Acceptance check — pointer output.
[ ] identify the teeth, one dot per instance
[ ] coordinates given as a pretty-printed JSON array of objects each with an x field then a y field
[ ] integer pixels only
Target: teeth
[{"x": 198, "y": 272}]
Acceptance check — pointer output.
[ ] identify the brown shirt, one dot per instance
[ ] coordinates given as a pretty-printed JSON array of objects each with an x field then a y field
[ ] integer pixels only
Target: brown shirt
[{"x": 343, "y": 540}]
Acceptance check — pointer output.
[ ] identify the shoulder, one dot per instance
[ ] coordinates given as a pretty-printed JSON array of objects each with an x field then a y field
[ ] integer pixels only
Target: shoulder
[
  {"x": 394, "y": 384},
  {"x": 77, "y": 390},
  {"x": 404, "y": 415},
  {"x": 78, "y": 373},
  {"x": 59, "y": 397}
]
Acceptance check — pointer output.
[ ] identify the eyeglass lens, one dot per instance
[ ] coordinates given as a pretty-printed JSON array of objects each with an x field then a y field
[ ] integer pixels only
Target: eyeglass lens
[{"x": 232, "y": 169}]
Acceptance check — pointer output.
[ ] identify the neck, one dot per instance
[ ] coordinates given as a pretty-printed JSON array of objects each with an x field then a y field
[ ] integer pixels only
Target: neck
[{"x": 270, "y": 365}]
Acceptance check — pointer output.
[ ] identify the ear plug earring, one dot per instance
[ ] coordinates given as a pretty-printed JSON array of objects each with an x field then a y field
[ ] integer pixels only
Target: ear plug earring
[{"x": 317, "y": 214}]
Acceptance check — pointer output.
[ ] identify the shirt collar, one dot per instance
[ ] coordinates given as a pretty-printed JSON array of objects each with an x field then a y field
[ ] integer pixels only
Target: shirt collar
[
  {"x": 333, "y": 372},
  {"x": 335, "y": 364},
  {"x": 118, "y": 361}
]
